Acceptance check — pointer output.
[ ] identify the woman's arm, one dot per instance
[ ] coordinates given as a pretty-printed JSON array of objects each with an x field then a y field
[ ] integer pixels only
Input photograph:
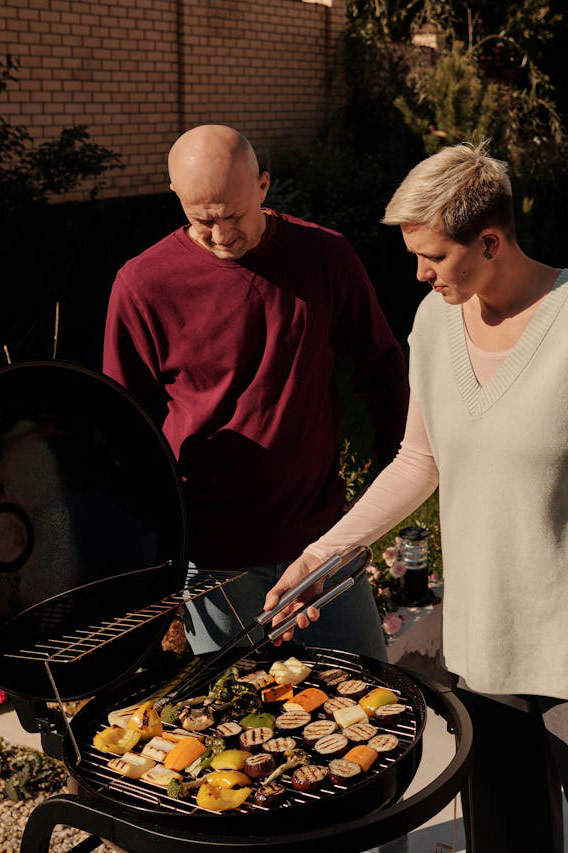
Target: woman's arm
[{"x": 398, "y": 490}]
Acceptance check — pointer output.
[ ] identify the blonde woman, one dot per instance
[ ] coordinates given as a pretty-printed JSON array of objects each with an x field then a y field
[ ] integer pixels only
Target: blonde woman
[{"x": 488, "y": 423}]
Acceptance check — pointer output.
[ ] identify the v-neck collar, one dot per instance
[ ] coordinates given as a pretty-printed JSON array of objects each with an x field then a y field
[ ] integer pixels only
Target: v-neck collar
[{"x": 478, "y": 399}]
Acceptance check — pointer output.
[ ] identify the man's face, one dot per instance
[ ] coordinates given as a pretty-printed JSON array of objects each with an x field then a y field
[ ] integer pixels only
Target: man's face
[
  {"x": 454, "y": 270},
  {"x": 227, "y": 221}
]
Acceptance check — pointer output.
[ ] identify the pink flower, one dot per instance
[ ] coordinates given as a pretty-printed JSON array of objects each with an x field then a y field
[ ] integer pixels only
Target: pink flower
[
  {"x": 390, "y": 555},
  {"x": 434, "y": 577},
  {"x": 392, "y": 623},
  {"x": 398, "y": 569},
  {"x": 373, "y": 572}
]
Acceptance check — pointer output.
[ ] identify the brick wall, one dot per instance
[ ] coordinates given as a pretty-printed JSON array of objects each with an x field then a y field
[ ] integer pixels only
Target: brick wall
[{"x": 138, "y": 72}]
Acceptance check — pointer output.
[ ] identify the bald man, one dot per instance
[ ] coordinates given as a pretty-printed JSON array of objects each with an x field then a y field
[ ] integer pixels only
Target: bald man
[{"x": 226, "y": 331}]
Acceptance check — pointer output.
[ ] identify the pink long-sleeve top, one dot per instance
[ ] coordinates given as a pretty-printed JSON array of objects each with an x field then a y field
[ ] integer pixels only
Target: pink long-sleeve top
[{"x": 404, "y": 484}]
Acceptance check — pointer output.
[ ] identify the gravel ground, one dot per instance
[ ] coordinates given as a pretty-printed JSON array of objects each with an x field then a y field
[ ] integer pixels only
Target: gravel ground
[{"x": 13, "y": 818}]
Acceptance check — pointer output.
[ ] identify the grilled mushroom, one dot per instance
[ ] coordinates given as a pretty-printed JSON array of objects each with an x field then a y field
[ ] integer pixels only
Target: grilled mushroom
[{"x": 196, "y": 719}]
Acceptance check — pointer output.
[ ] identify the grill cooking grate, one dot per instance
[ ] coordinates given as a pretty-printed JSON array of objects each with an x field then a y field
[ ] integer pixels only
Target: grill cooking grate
[
  {"x": 138, "y": 794},
  {"x": 72, "y": 647}
]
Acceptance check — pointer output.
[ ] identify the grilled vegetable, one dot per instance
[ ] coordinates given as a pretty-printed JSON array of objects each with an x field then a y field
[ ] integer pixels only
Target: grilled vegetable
[
  {"x": 383, "y": 743},
  {"x": 389, "y": 711},
  {"x": 375, "y": 699},
  {"x": 175, "y": 735},
  {"x": 290, "y": 671},
  {"x": 117, "y": 740},
  {"x": 279, "y": 745},
  {"x": 228, "y": 730},
  {"x": 131, "y": 765},
  {"x": 196, "y": 719},
  {"x": 257, "y": 721},
  {"x": 258, "y": 679},
  {"x": 219, "y": 792},
  {"x": 342, "y": 772},
  {"x": 317, "y": 729},
  {"x": 294, "y": 758},
  {"x": 170, "y": 713},
  {"x": 214, "y": 746},
  {"x": 277, "y": 694},
  {"x": 360, "y": 732},
  {"x": 337, "y": 702},
  {"x": 230, "y": 759},
  {"x": 177, "y": 789},
  {"x": 291, "y": 720},
  {"x": 346, "y": 717},
  {"x": 331, "y": 746},
  {"x": 184, "y": 753},
  {"x": 122, "y": 716},
  {"x": 253, "y": 739},
  {"x": 258, "y": 766},
  {"x": 333, "y": 677},
  {"x": 309, "y": 777},
  {"x": 221, "y": 799},
  {"x": 160, "y": 775},
  {"x": 270, "y": 795},
  {"x": 158, "y": 748},
  {"x": 146, "y": 720},
  {"x": 353, "y": 688},
  {"x": 362, "y": 755},
  {"x": 306, "y": 700},
  {"x": 227, "y": 779},
  {"x": 230, "y": 693}
]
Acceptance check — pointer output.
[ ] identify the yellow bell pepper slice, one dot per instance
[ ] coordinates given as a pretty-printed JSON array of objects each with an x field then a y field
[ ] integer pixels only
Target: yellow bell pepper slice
[
  {"x": 117, "y": 740},
  {"x": 147, "y": 721},
  {"x": 376, "y": 699},
  {"x": 230, "y": 759},
  {"x": 228, "y": 779},
  {"x": 221, "y": 799}
]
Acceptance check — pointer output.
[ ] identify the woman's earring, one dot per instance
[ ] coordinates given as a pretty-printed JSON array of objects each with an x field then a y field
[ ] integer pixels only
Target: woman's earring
[{"x": 487, "y": 254}]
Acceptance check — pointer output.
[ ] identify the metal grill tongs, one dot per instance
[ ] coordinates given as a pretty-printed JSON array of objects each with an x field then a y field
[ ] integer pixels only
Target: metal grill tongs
[{"x": 354, "y": 561}]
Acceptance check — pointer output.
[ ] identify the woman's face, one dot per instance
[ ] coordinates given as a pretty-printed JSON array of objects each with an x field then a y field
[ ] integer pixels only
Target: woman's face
[{"x": 452, "y": 269}]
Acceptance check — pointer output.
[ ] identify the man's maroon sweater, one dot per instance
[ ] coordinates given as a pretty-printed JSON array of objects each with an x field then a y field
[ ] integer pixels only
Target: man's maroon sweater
[{"x": 235, "y": 360}]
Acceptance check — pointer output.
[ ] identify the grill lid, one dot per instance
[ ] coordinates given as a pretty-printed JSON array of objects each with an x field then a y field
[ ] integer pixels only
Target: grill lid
[{"x": 89, "y": 495}]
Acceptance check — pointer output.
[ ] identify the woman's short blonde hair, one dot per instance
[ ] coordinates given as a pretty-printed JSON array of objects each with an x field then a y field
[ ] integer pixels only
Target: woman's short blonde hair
[{"x": 460, "y": 191}]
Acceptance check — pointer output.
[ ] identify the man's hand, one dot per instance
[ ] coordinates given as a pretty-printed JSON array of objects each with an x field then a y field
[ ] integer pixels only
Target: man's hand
[{"x": 296, "y": 572}]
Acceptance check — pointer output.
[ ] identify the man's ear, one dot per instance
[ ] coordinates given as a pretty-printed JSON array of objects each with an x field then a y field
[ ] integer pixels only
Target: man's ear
[{"x": 263, "y": 185}]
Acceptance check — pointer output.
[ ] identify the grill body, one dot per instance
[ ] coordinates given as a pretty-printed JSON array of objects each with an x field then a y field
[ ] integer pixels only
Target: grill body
[
  {"x": 353, "y": 821},
  {"x": 385, "y": 783}
]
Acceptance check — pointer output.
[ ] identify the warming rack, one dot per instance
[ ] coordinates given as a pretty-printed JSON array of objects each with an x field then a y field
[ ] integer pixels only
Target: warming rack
[{"x": 69, "y": 648}]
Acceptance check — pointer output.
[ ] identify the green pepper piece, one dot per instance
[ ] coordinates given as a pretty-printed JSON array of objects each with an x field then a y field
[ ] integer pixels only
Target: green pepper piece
[{"x": 257, "y": 721}]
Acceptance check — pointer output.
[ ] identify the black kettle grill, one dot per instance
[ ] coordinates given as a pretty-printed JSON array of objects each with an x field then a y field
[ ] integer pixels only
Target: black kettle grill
[{"x": 93, "y": 563}]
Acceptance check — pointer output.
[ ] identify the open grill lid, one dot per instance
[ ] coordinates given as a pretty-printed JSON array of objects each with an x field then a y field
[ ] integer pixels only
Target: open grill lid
[{"x": 92, "y": 516}]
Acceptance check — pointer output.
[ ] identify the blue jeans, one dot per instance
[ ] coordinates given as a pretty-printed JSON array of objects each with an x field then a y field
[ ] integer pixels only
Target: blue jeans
[{"x": 350, "y": 623}]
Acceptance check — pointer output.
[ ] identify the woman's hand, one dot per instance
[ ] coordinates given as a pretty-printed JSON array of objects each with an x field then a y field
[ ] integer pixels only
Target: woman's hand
[{"x": 296, "y": 572}]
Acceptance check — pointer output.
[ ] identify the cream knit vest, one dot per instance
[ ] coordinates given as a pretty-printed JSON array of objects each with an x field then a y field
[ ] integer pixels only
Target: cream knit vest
[{"x": 502, "y": 454}]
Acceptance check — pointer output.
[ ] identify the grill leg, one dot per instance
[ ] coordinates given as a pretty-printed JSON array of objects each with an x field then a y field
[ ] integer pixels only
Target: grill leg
[{"x": 63, "y": 809}]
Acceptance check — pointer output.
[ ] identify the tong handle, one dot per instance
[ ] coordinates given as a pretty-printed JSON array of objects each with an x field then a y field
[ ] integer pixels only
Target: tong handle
[
  {"x": 332, "y": 565},
  {"x": 324, "y": 599},
  {"x": 322, "y": 572}
]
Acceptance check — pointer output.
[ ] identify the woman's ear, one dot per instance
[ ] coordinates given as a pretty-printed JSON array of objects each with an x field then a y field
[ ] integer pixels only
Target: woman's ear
[{"x": 491, "y": 242}]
